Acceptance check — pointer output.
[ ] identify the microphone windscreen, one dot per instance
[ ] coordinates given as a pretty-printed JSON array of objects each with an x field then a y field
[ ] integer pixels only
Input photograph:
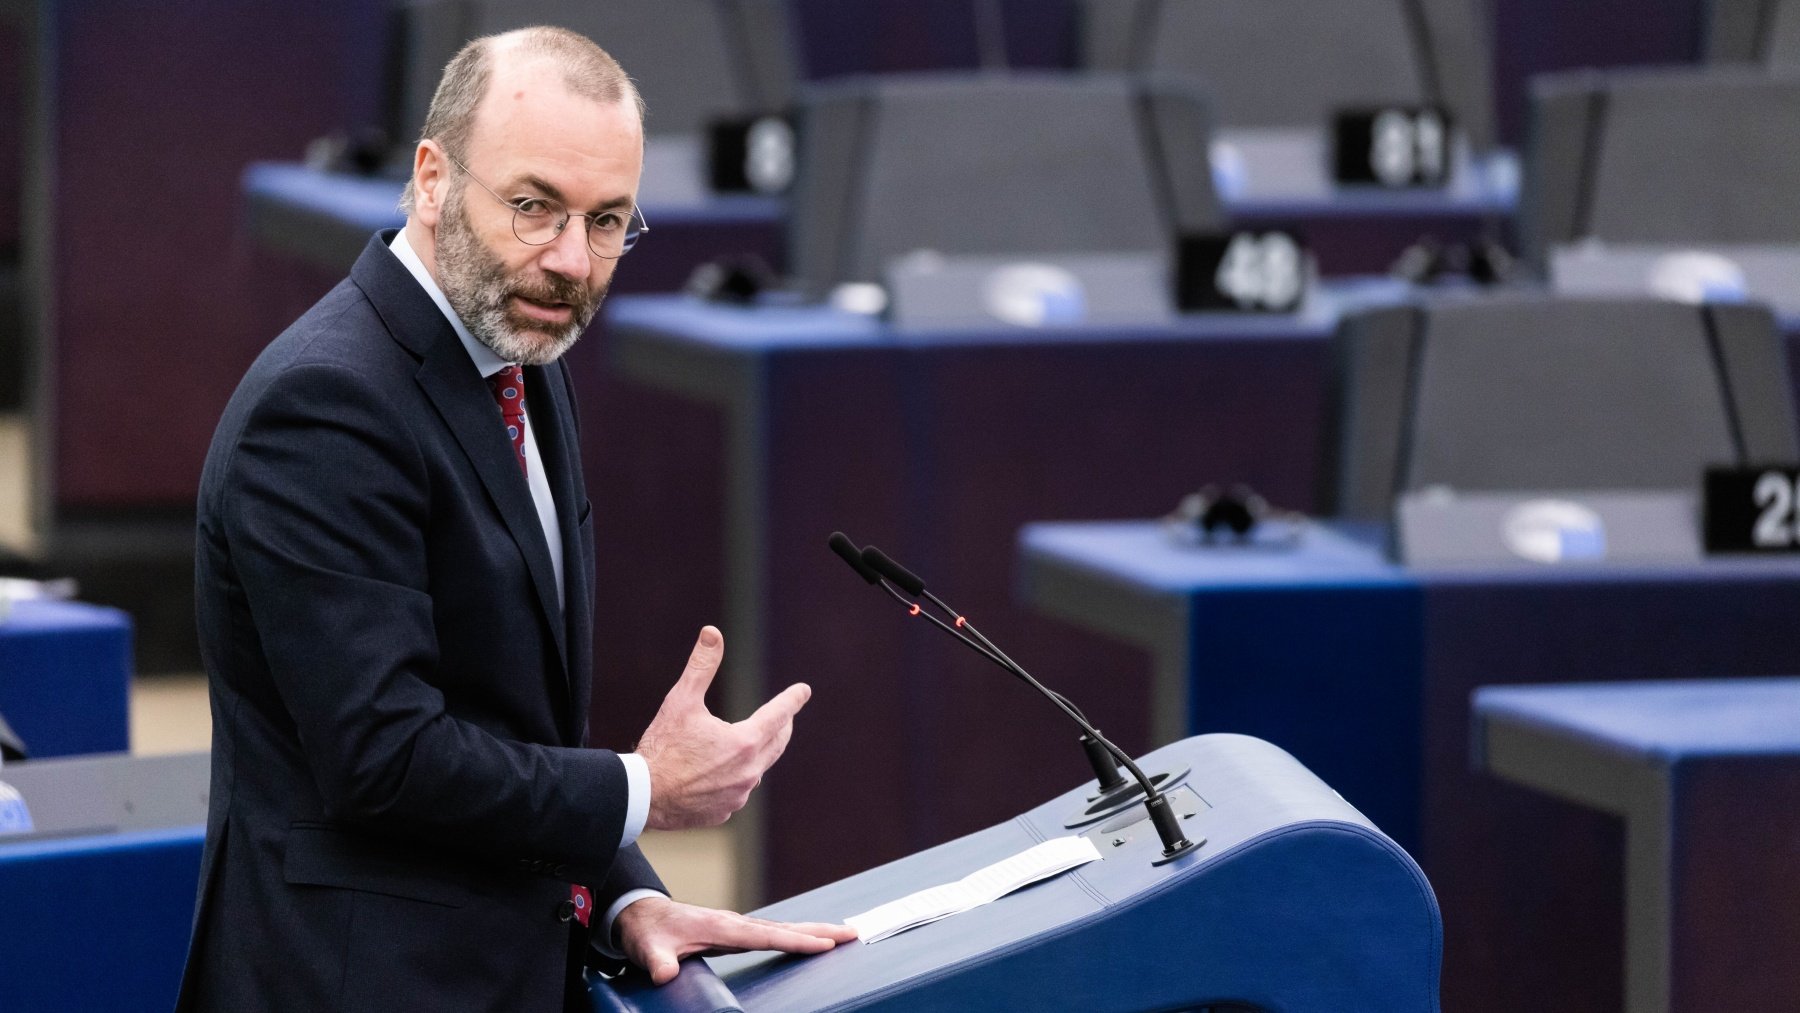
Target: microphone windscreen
[
  {"x": 901, "y": 577},
  {"x": 844, "y": 547}
]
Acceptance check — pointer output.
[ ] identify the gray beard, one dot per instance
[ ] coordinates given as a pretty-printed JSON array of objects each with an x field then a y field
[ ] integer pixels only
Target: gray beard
[{"x": 476, "y": 285}]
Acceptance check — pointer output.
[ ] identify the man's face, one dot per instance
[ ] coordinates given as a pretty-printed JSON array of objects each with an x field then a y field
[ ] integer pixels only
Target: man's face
[{"x": 533, "y": 138}]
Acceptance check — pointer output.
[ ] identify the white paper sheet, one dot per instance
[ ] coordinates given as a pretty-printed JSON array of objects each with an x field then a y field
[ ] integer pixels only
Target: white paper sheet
[{"x": 983, "y": 886}]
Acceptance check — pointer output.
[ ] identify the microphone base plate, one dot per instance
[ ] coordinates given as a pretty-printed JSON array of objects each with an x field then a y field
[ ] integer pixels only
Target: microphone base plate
[
  {"x": 1105, "y": 804},
  {"x": 1187, "y": 848}
]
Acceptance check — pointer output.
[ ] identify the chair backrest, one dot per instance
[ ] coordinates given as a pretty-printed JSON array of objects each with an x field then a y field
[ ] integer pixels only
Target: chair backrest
[
  {"x": 982, "y": 164},
  {"x": 691, "y": 59},
  {"x": 1681, "y": 157},
  {"x": 1764, "y": 32},
  {"x": 1291, "y": 63},
  {"x": 1528, "y": 392}
]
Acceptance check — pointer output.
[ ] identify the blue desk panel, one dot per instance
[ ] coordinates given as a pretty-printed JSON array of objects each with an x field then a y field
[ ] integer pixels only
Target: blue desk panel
[
  {"x": 97, "y": 924},
  {"x": 1656, "y": 723},
  {"x": 1244, "y": 638},
  {"x": 65, "y": 677}
]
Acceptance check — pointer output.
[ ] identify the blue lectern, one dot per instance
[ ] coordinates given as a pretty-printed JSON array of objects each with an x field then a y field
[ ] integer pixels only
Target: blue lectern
[{"x": 1293, "y": 903}]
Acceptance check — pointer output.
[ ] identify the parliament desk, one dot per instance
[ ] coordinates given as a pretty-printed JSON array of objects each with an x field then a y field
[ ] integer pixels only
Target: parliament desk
[
  {"x": 1293, "y": 903},
  {"x": 320, "y": 220},
  {"x": 1363, "y": 670},
  {"x": 1706, "y": 776},
  {"x": 65, "y": 676},
  {"x": 934, "y": 445},
  {"x": 1280, "y": 179},
  {"x": 99, "y": 894}
]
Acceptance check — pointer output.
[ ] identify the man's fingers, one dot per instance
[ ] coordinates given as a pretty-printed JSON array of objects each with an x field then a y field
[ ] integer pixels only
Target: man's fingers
[
  {"x": 776, "y": 717},
  {"x": 748, "y": 934},
  {"x": 676, "y": 931},
  {"x": 825, "y": 930},
  {"x": 703, "y": 662},
  {"x": 663, "y": 967}
]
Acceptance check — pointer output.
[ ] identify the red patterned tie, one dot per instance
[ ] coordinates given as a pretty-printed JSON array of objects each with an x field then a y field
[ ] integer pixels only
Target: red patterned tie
[{"x": 508, "y": 386}]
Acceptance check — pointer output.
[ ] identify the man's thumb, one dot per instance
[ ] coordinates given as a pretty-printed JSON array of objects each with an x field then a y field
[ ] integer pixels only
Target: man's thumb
[{"x": 703, "y": 662}]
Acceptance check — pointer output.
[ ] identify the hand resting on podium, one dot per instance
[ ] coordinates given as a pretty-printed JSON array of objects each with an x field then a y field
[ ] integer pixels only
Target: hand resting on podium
[{"x": 703, "y": 769}]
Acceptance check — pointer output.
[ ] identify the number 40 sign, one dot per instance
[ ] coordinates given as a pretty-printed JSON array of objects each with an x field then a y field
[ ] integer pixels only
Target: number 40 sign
[{"x": 1754, "y": 509}]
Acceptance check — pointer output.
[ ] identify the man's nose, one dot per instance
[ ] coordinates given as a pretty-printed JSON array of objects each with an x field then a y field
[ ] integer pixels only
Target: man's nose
[{"x": 568, "y": 254}]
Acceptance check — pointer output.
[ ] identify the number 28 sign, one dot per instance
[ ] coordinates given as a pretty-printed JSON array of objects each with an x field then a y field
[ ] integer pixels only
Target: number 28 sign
[{"x": 1753, "y": 509}]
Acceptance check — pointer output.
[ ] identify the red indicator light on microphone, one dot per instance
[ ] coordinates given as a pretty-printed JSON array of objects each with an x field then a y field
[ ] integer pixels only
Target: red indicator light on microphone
[{"x": 914, "y": 610}]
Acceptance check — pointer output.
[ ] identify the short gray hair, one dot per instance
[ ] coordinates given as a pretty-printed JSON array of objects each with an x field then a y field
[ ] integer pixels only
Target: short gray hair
[{"x": 588, "y": 71}]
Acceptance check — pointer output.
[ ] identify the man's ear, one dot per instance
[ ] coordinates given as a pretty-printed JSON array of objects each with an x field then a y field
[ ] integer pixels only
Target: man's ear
[{"x": 431, "y": 182}]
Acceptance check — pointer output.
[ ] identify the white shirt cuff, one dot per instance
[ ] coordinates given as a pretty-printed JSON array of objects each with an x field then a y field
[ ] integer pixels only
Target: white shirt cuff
[
  {"x": 603, "y": 939},
  {"x": 637, "y": 800}
]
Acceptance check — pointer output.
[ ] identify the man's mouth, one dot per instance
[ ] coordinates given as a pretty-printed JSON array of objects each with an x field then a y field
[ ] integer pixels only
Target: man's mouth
[{"x": 548, "y": 312}]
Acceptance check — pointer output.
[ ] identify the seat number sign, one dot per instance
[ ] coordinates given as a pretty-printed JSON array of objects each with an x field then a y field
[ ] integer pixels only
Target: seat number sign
[
  {"x": 1754, "y": 509},
  {"x": 1403, "y": 147}
]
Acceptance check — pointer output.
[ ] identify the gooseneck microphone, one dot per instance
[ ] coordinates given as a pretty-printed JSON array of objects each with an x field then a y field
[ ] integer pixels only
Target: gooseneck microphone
[
  {"x": 875, "y": 567},
  {"x": 1106, "y": 769},
  {"x": 841, "y": 544},
  {"x": 846, "y": 549}
]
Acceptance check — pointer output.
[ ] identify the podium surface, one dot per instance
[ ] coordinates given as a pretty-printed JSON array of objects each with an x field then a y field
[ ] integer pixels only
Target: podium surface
[{"x": 1294, "y": 902}]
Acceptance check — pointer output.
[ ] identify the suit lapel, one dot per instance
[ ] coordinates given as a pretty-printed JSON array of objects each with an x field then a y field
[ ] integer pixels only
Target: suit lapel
[
  {"x": 455, "y": 388},
  {"x": 462, "y": 399},
  {"x": 553, "y": 423}
]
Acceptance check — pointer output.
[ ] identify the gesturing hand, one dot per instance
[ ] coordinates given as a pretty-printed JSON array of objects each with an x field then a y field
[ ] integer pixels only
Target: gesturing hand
[
  {"x": 703, "y": 769},
  {"x": 657, "y": 933}
]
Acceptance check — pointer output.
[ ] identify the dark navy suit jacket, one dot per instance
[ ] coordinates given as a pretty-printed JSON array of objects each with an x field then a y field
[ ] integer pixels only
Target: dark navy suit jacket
[{"x": 400, "y": 796}]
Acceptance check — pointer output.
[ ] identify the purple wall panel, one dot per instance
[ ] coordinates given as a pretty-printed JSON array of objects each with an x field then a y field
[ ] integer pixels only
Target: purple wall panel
[
  {"x": 157, "y": 109},
  {"x": 1540, "y": 36},
  {"x": 938, "y": 455},
  {"x": 838, "y": 38},
  {"x": 1736, "y": 900},
  {"x": 12, "y": 136}
]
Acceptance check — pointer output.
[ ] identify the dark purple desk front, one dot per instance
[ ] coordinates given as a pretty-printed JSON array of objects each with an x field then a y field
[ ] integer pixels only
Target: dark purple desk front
[
  {"x": 935, "y": 446},
  {"x": 1363, "y": 670}
]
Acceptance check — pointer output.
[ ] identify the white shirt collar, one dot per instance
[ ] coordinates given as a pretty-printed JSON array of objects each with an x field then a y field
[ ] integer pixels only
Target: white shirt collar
[{"x": 486, "y": 360}]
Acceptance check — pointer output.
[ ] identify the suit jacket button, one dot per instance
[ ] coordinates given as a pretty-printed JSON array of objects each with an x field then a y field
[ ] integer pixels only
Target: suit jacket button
[{"x": 565, "y": 911}]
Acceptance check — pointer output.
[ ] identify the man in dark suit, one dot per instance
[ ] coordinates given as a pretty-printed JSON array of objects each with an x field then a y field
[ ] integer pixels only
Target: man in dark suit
[{"x": 395, "y": 578}]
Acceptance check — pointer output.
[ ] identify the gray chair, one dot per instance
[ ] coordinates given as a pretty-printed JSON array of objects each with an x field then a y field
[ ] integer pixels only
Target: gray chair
[
  {"x": 1663, "y": 157},
  {"x": 1528, "y": 392},
  {"x": 1763, "y": 32},
  {"x": 1290, "y": 63},
  {"x": 988, "y": 165},
  {"x": 692, "y": 59}
]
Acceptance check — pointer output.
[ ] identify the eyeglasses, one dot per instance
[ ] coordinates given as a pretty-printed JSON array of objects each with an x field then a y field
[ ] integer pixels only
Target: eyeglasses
[{"x": 539, "y": 220}]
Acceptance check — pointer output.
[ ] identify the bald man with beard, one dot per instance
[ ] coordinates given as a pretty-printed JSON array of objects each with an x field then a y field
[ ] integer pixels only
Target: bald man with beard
[{"x": 395, "y": 569}]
